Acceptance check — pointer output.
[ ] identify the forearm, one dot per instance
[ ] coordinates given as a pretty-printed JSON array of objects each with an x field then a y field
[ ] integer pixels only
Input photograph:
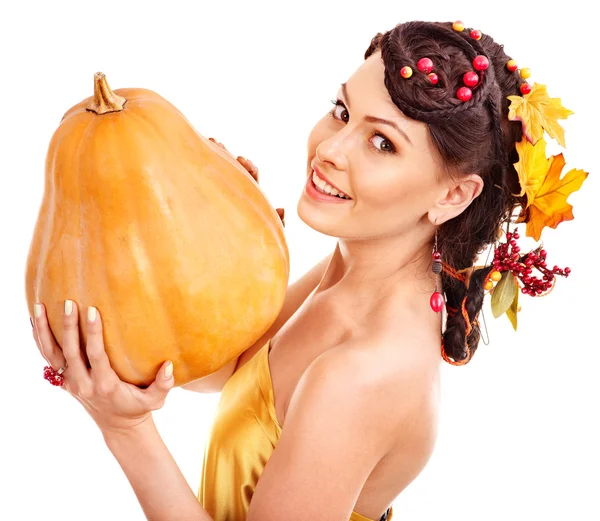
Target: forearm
[{"x": 157, "y": 481}]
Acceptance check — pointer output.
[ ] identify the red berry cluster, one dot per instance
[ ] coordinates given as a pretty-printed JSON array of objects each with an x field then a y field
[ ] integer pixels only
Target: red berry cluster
[
  {"x": 52, "y": 377},
  {"x": 522, "y": 266}
]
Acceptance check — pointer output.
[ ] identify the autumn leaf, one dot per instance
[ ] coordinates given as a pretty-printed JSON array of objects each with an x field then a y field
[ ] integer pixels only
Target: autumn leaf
[
  {"x": 532, "y": 167},
  {"x": 511, "y": 312},
  {"x": 538, "y": 112},
  {"x": 546, "y": 192},
  {"x": 504, "y": 294}
]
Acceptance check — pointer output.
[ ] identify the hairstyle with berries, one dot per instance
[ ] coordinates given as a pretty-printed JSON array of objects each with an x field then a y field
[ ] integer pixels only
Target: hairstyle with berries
[{"x": 472, "y": 136}]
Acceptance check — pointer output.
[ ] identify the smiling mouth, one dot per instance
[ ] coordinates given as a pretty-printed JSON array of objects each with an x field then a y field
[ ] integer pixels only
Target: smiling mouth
[{"x": 325, "y": 188}]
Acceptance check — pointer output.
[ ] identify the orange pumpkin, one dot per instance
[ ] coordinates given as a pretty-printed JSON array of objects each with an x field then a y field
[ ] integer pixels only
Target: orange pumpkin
[{"x": 161, "y": 230}]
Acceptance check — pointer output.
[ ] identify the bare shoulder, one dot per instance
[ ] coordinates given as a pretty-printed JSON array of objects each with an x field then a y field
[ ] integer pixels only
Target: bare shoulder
[
  {"x": 348, "y": 413},
  {"x": 388, "y": 380}
]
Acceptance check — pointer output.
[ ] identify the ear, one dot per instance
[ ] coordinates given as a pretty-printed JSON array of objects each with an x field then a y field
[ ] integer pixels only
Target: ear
[{"x": 455, "y": 198}]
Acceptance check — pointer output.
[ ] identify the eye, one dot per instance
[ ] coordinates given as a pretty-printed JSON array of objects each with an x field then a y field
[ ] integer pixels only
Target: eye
[
  {"x": 385, "y": 143},
  {"x": 339, "y": 111}
]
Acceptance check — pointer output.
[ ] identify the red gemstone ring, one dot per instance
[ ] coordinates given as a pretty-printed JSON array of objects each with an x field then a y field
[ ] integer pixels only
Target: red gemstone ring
[{"x": 55, "y": 377}]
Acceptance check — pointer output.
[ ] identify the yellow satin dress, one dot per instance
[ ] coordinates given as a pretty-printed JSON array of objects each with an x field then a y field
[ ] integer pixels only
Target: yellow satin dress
[{"x": 242, "y": 438}]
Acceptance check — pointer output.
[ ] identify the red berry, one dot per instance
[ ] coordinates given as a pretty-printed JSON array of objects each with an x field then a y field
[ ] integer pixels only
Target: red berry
[
  {"x": 524, "y": 290},
  {"x": 543, "y": 254},
  {"x": 525, "y": 88},
  {"x": 516, "y": 235},
  {"x": 475, "y": 34},
  {"x": 509, "y": 235},
  {"x": 464, "y": 94},
  {"x": 436, "y": 301},
  {"x": 433, "y": 77},
  {"x": 516, "y": 249},
  {"x": 470, "y": 79},
  {"x": 425, "y": 65},
  {"x": 567, "y": 270},
  {"x": 513, "y": 243},
  {"x": 480, "y": 62}
]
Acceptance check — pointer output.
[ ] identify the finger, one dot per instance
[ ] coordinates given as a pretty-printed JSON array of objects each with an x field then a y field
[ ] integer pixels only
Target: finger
[
  {"x": 39, "y": 345},
  {"x": 78, "y": 373},
  {"x": 218, "y": 143},
  {"x": 45, "y": 340},
  {"x": 102, "y": 372},
  {"x": 249, "y": 166},
  {"x": 154, "y": 396},
  {"x": 281, "y": 213}
]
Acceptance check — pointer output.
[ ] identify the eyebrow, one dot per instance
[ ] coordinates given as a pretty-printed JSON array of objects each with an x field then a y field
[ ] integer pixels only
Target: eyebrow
[{"x": 373, "y": 119}]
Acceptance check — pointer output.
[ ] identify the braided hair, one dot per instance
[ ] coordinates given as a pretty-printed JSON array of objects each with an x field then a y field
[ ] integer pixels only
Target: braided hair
[{"x": 472, "y": 137}]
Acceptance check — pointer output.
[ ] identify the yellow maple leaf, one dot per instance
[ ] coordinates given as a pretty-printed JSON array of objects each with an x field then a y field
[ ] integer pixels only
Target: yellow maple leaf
[
  {"x": 538, "y": 112},
  {"x": 532, "y": 167},
  {"x": 546, "y": 192}
]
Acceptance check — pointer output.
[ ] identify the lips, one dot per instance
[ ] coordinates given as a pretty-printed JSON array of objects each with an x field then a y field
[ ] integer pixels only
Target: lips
[{"x": 327, "y": 180}]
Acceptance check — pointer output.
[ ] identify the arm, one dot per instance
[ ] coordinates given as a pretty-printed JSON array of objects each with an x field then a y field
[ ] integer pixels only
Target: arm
[
  {"x": 157, "y": 481},
  {"x": 296, "y": 294}
]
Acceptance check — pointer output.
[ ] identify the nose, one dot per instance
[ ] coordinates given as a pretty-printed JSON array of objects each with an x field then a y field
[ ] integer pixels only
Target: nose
[{"x": 332, "y": 150}]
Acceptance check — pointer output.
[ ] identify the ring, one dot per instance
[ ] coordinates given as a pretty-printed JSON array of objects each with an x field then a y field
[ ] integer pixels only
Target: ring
[{"x": 55, "y": 377}]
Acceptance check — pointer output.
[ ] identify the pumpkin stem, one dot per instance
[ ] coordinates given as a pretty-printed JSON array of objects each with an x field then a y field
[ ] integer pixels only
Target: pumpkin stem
[{"x": 105, "y": 100}]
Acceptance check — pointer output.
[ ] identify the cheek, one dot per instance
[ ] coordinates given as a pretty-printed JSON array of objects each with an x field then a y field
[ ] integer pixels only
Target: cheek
[{"x": 398, "y": 188}]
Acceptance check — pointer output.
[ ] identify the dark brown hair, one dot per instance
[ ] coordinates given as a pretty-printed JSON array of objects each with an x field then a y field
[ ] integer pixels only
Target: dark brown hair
[{"x": 471, "y": 137}]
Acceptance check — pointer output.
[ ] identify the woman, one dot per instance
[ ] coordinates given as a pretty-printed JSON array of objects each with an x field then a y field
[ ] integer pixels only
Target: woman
[{"x": 333, "y": 412}]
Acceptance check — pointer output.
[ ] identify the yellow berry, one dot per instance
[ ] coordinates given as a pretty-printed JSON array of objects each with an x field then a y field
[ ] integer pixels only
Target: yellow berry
[
  {"x": 525, "y": 73},
  {"x": 495, "y": 275},
  {"x": 488, "y": 285},
  {"x": 458, "y": 26}
]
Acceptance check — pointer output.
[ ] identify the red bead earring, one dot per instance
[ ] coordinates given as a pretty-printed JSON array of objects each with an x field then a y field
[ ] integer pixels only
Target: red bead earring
[{"x": 437, "y": 299}]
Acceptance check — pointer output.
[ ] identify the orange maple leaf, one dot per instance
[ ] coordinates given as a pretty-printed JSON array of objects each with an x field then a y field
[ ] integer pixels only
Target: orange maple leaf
[
  {"x": 546, "y": 192},
  {"x": 538, "y": 112}
]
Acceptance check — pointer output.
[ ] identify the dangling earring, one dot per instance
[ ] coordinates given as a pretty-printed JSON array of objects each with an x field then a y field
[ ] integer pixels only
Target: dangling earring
[{"x": 437, "y": 299}]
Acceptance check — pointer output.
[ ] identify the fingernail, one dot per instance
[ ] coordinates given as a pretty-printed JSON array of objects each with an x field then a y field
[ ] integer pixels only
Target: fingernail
[
  {"x": 31, "y": 321},
  {"x": 68, "y": 307},
  {"x": 37, "y": 310},
  {"x": 91, "y": 314},
  {"x": 169, "y": 370}
]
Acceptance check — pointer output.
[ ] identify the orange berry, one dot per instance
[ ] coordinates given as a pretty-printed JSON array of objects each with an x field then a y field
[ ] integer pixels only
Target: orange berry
[
  {"x": 406, "y": 72},
  {"x": 488, "y": 285},
  {"x": 495, "y": 275},
  {"x": 458, "y": 26}
]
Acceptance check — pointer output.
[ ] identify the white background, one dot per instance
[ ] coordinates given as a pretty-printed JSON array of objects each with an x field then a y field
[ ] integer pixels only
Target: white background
[{"x": 519, "y": 431}]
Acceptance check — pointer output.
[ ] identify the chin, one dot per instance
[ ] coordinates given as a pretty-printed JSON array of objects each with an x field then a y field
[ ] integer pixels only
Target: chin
[{"x": 318, "y": 219}]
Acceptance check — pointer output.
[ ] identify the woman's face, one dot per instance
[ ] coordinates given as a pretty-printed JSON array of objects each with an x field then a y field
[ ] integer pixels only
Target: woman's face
[{"x": 382, "y": 160}]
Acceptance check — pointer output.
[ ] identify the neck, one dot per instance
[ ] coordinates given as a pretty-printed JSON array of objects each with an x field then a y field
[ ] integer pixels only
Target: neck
[{"x": 380, "y": 266}]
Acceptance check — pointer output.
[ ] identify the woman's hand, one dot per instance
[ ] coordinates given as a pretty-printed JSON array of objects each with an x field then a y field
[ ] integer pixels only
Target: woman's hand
[
  {"x": 112, "y": 403},
  {"x": 252, "y": 170}
]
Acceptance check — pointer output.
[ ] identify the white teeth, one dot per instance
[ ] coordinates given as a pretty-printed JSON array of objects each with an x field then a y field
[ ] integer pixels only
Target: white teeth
[{"x": 327, "y": 188}]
